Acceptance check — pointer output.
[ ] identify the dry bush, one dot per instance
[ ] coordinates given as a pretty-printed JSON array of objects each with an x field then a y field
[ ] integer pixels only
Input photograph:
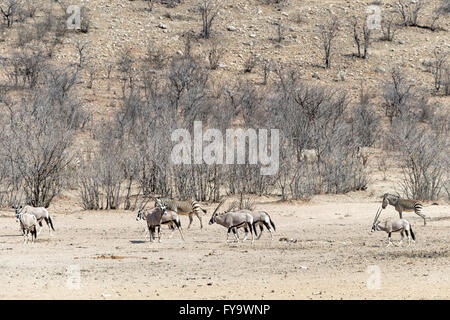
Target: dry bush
[
  {"x": 214, "y": 55},
  {"x": 361, "y": 36},
  {"x": 9, "y": 10},
  {"x": 209, "y": 9},
  {"x": 423, "y": 151},
  {"x": 439, "y": 67},
  {"x": 327, "y": 34},
  {"x": 388, "y": 27},
  {"x": 38, "y": 134},
  {"x": 409, "y": 11},
  {"x": 250, "y": 63}
]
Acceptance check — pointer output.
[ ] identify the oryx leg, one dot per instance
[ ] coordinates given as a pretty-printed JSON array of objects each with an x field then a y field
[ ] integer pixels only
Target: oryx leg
[
  {"x": 228, "y": 233},
  {"x": 41, "y": 227},
  {"x": 261, "y": 229},
  {"x": 245, "y": 235},
  {"x": 179, "y": 229},
  {"x": 389, "y": 240},
  {"x": 159, "y": 234},
  {"x": 409, "y": 237},
  {"x": 236, "y": 234},
  {"x": 401, "y": 239},
  {"x": 151, "y": 233},
  {"x": 251, "y": 231}
]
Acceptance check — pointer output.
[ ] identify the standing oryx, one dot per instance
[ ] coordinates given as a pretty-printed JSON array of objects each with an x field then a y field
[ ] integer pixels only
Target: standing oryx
[
  {"x": 232, "y": 220},
  {"x": 404, "y": 205},
  {"x": 262, "y": 218},
  {"x": 28, "y": 223},
  {"x": 168, "y": 217},
  {"x": 390, "y": 226},
  {"x": 182, "y": 208},
  {"x": 40, "y": 213}
]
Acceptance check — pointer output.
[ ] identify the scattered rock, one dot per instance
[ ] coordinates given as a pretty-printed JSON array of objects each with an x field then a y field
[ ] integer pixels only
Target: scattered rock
[
  {"x": 231, "y": 28},
  {"x": 380, "y": 70},
  {"x": 162, "y": 25}
]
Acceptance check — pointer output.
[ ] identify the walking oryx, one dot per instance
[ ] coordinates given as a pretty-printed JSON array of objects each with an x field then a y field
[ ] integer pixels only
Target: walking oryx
[
  {"x": 262, "y": 218},
  {"x": 404, "y": 205},
  {"x": 169, "y": 217},
  {"x": 390, "y": 226},
  {"x": 28, "y": 223},
  {"x": 182, "y": 208},
  {"x": 232, "y": 220},
  {"x": 40, "y": 213}
]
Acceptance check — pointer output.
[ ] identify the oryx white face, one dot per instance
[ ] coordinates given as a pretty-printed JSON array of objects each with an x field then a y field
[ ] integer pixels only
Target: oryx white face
[{"x": 139, "y": 215}]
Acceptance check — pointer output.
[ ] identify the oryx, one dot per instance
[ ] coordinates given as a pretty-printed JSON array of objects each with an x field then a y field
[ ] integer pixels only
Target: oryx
[
  {"x": 40, "y": 213},
  {"x": 389, "y": 226},
  {"x": 232, "y": 220},
  {"x": 28, "y": 223}
]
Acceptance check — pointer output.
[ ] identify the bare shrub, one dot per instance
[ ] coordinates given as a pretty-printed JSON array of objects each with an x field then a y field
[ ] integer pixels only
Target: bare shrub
[
  {"x": 365, "y": 121},
  {"x": 25, "y": 68},
  {"x": 214, "y": 55},
  {"x": 327, "y": 33},
  {"x": 424, "y": 157},
  {"x": 361, "y": 36},
  {"x": 9, "y": 9},
  {"x": 439, "y": 66},
  {"x": 37, "y": 136},
  {"x": 250, "y": 63},
  {"x": 397, "y": 94},
  {"x": 209, "y": 10},
  {"x": 409, "y": 11},
  {"x": 388, "y": 27}
]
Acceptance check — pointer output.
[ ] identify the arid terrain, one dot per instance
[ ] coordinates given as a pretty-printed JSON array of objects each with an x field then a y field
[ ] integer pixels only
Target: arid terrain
[
  {"x": 328, "y": 258},
  {"x": 103, "y": 87}
]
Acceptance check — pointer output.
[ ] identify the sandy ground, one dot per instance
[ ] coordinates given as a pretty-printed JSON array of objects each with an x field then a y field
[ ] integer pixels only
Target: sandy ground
[{"x": 333, "y": 258}]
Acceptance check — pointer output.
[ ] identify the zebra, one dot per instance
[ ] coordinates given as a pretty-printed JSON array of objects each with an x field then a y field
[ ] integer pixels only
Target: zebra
[
  {"x": 182, "y": 208},
  {"x": 406, "y": 205}
]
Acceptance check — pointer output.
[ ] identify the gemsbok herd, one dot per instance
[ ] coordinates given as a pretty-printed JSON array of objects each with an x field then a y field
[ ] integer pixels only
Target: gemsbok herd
[{"x": 167, "y": 211}]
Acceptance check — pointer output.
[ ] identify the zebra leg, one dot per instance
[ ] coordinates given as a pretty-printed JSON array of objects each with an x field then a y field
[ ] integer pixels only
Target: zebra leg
[
  {"x": 190, "y": 220},
  {"x": 423, "y": 217},
  {"x": 199, "y": 219}
]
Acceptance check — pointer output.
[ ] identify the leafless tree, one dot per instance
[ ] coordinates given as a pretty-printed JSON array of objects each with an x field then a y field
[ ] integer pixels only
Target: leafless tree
[
  {"x": 9, "y": 9},
  {"x": 409, "y": 10},
  {"x": 361, "y": 35},
  {"x": 214, "y": 55},
  {"x": 81, "y": 47},
  {"x": 438, "y": 68},
  {"x": 327, "y": 33},
  {"x": 209, "y": 9},
  {"x": 37, "y": 136},
  {"x": 388, "y": 27}
]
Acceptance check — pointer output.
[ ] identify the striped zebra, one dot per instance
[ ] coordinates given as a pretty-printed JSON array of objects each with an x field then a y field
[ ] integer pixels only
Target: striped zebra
[
  {"x": 182, "y": 208},
  {"x": 406, "y": 205}
]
